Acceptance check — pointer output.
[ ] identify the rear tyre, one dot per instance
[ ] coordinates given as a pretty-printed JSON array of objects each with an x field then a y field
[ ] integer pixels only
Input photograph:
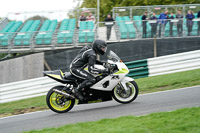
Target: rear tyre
[
  {"x": 59, "y": 103},
  {"x": 123, "y": 96}
]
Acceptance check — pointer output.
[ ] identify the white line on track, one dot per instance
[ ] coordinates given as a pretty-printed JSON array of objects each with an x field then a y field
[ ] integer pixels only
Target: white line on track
[
  {"x": 23, "y": 114},
  {"x": 77, "y": 105},
  {"x": 169, "y": 90}
]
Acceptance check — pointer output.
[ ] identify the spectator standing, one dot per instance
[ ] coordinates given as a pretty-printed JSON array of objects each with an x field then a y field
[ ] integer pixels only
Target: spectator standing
[
  {"x": 179, "y": 16},
  {"x": 171, "y": 24},
  {"x": 144, "y": 24},
  {"x": 153, "y": 25},
  {"x": 90, "y": 17},
  {"x": 189, "y": 18},
  {"x": 162, "y": 21},
  {"x": 82, "y": 17},
  {"x": 198, "y": 16},
  {"x": 109, "y": 25}
]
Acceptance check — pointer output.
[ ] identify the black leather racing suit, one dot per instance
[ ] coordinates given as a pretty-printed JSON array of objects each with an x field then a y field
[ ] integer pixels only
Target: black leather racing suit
[{"x": 86, "y": 56}]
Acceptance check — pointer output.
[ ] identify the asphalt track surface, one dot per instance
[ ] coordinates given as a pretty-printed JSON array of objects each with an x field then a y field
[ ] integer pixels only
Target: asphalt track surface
[{"x": 144, "y": 104}]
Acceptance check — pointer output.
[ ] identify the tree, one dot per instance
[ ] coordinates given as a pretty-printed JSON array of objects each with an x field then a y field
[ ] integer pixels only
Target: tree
[
  {"x": 106, "y": 6},
  {"x": 74, "y": 12}
]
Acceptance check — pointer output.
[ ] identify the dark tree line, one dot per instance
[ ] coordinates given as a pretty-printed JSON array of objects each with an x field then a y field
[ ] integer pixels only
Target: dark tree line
[{"x": 107, "y": 5}]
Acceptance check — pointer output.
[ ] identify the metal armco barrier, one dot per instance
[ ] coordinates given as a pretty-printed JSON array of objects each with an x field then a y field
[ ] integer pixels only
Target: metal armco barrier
[
  {"x": 164, "y": 64},
  {"x": 174, "y": 63},
  {"x": 138, "y": 69},
  {"x": 26, "y": 89}
]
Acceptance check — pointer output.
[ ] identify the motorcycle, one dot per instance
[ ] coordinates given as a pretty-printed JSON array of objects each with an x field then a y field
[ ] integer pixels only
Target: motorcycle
[{"x": 114, "y": 85}]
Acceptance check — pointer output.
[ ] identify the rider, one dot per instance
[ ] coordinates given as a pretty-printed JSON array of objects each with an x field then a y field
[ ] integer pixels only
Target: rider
[{"x": 87, "y": 56}]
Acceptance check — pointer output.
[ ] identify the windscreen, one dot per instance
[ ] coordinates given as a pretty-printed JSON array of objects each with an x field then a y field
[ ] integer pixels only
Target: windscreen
[{"x": 112, "y": 56}]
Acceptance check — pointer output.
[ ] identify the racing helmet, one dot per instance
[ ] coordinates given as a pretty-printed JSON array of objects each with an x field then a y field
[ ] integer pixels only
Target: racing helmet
[{"x": 100, "y": 46}]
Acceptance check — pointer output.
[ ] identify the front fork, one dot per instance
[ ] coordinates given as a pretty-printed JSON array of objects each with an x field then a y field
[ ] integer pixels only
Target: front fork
[{"x": 124, "y": 81}]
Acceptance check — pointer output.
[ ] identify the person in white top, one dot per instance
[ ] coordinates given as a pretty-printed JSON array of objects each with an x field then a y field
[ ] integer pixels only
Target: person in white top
[{"x": 90, "y": 17}]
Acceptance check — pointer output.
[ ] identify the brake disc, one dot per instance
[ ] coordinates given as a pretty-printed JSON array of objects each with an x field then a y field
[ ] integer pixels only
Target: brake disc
[{"x": 59, "y": 100}]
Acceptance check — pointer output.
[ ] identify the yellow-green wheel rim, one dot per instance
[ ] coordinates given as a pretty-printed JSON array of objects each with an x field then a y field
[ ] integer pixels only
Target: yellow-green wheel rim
[{"x": 55, "y": 105}]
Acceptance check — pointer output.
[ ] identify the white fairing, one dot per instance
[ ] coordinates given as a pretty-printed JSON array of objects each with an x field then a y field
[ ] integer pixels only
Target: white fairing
[
  {"x": 121, "y": 65},
  {"x": 109, "y": 82},
  {"x": 114, "y": 79}
]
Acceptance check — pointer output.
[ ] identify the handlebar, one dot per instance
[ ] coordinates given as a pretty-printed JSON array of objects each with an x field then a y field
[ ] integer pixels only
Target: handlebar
[{"x": 111, "y": 67}]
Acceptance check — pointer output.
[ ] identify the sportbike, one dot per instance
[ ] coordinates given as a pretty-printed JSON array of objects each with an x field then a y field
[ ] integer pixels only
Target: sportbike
[{"x": 114, "y": 85}]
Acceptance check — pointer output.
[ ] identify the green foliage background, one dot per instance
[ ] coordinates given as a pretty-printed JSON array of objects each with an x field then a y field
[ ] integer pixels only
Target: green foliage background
[{"x": 107, "y": 5}]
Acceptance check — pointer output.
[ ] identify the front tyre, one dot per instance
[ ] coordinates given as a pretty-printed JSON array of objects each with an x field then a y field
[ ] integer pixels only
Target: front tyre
[
  {"x": 125, "y": 96},
  {"x": 59, "y": 103}
]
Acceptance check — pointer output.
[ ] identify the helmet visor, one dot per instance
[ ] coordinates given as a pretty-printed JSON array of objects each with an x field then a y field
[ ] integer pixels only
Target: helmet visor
[{"x": 104, "y": 49}]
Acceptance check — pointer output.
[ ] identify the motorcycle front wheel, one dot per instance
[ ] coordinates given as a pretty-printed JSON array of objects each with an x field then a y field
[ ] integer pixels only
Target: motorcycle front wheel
[
  {"x": 59, "y": 103},
  {"x": 125, "y": 96}
]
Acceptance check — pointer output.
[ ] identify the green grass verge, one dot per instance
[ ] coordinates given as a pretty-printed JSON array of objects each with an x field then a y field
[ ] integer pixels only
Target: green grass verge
[
  {"x": 179, "y": 121},
  {"x": 23, "y": 106},
  {"x": 149, "y": 84},
  {"x": 169, "y": 81}
]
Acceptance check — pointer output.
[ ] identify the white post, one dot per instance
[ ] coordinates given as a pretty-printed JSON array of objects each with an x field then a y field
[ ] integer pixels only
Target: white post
[{"x": 98, "y": 4}]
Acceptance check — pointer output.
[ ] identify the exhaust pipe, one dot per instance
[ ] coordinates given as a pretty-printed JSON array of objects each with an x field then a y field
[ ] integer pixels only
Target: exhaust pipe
[{"x": 63, "y": 93}]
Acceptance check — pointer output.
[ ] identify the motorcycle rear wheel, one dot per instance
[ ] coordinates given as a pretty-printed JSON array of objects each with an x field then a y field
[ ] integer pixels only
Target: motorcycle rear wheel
[
  {"x": 122, "y": 96},
  {"x": 58, "y": 103}
]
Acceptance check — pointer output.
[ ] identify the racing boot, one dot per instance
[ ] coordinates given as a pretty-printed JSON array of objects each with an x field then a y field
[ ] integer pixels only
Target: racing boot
[
  {"x": 77, "y": 90},
  {"x": 77, "y": 93}
]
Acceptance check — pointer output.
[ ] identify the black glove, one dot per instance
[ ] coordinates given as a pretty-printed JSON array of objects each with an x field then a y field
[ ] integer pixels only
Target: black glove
[{"x": 106, "y": 70}]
